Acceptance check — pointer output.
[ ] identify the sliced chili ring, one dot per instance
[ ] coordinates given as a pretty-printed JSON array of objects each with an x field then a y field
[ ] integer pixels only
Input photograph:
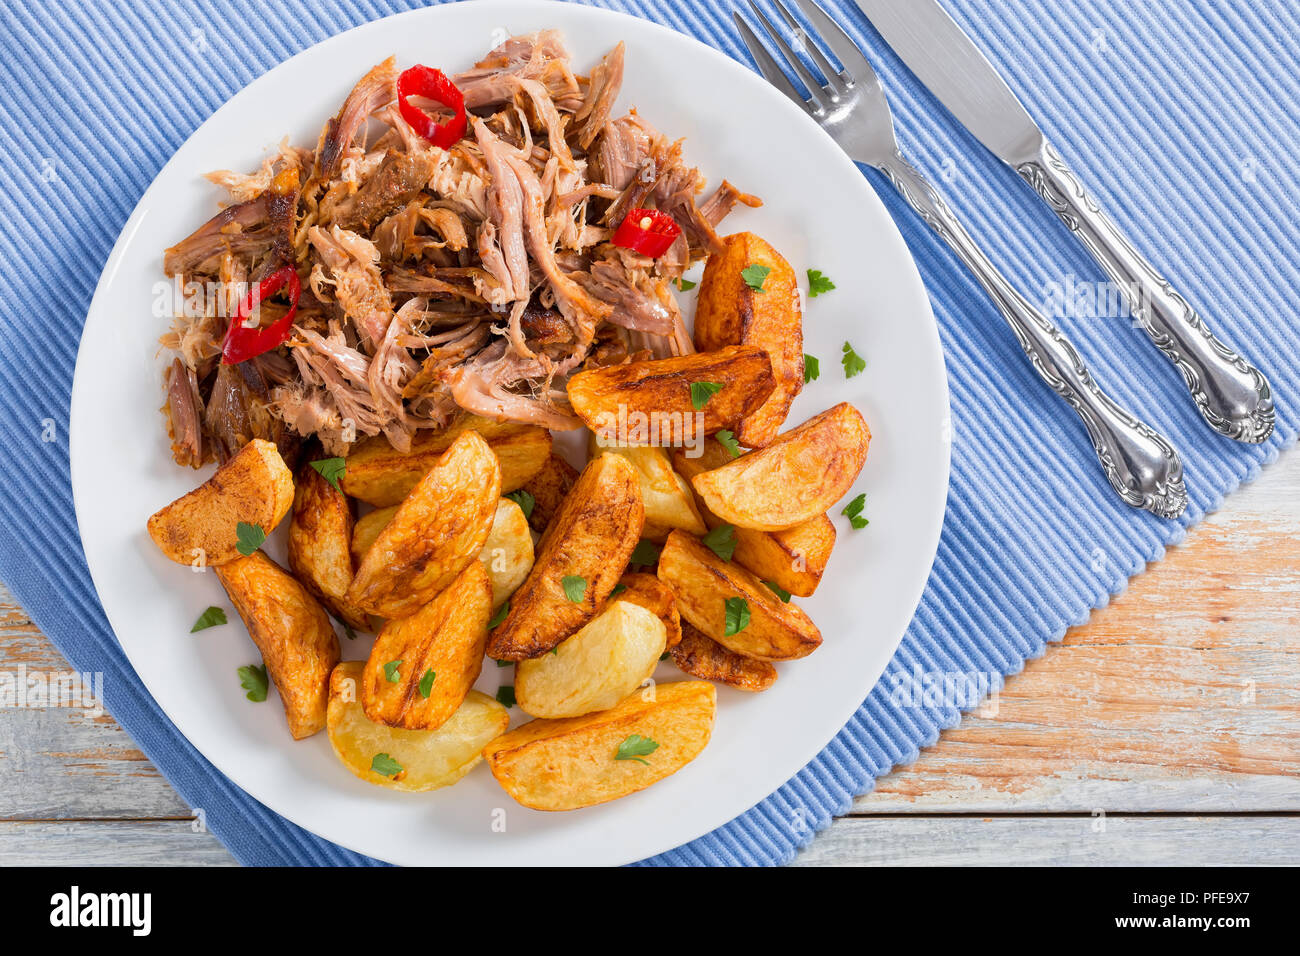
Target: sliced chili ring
[
  {"x": 433, "y": 85},
  {"x": 243, "y": 343},
  {"x": 647, "y": 231}
]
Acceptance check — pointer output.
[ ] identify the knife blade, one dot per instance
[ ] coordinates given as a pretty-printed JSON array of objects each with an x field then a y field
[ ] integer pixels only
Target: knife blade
[{"x": 943, "y": 57}]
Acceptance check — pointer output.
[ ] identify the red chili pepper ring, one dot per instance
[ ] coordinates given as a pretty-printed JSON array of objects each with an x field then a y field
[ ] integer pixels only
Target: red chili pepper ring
[
  {"x": 433, "y": 85},
  {"x": 647, "y": 231},
  {"x": 242, "y": 342}
]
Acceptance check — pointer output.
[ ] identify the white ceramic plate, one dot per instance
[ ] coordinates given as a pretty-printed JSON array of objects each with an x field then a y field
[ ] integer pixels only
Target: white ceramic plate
[{"x": 819, "y": 211}]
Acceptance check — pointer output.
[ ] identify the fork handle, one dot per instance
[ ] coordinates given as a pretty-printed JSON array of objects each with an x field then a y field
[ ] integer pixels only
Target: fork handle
[
  {"x": 1231, "y": 394},
  {"x": 1139, "y": 463}
]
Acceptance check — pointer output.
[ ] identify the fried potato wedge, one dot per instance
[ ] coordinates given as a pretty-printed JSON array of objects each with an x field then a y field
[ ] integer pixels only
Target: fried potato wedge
[
  {"x": 367, "y": 529},
  {"x": 200, "y": 528},
  {"x": 705, "y": 658},
  {"x": 426, "y": 759},
  {"x": 595, "y": 668},
  {"x": 548, "y": 488},
  {"x": 794, "y": 559},
  {"x": 590, "y": 538},
  {"x": 656, "y": 597},
  {"x": 444, "y": 638},
  {"x": 730, "y": 312},
  {"x": 320, "y": 542},
  {"x": 668, "y": 498},
  {"x": 437, "y": 531},
  {"x": 795, "y": 478},
  {"x": 651, "y": 402},
  {"x": 575, "y": 762},
  {"x": 507, "y": 555},
  {"x": 379, "y": 475},
  {"x": 702, "y": 584},
  {"x": 293, "y": 632}
]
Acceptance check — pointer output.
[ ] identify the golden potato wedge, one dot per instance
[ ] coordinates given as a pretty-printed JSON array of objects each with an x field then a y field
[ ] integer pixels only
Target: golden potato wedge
[
  {"x": 595, "y": 668},
  {"x": 668, "y": 498},
  {"x": 507, "y": 555},
  {"x": 437, "y": 531},
  {"x": 320, "y": 541},
  {"x": 293, "y": 632},
  {"x": 703, "y": 583},
  {"x": 200, "y": 528},
  {"x": 548, "y": 488},
  {"x": 730, "y": 312},
  {"x": 650, "y": 402},
  {"x": 589, "y": 542},
  {"x": 379, "y": 475},
  {"x": 367, "y": 529},
  {"x": 794, "y": 559},
  {"x": 656, "y": 597},
  {"x": 426, "y": 759},
  {"x": 445, "y": 639},
  {"x": 579, "y": 762},
  {"x": 702, "y": 657},
  {"x": 795, "y": 478}
]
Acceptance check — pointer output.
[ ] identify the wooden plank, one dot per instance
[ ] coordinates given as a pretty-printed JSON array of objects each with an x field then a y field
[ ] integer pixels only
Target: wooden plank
[
  {"x": 88, "y": 843},
  {"x": 1054, "y": 841},
  {"x": 1182, "y": 694},
  {"x": 59, "y": 763}
]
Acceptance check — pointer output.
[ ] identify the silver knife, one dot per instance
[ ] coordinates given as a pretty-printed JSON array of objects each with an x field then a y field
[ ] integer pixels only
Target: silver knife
[{"x": 1231, "y": 394}]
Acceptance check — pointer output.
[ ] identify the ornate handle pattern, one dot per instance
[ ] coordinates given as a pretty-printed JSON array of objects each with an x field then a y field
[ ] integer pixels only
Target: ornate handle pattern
[
  {"x": 1140, "y": 464},
  {"x": 1231, "y": 394}
]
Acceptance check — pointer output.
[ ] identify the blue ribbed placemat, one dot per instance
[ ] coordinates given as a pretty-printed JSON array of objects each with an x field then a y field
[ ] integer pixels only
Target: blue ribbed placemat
[{"x": 1181, "y": 115}]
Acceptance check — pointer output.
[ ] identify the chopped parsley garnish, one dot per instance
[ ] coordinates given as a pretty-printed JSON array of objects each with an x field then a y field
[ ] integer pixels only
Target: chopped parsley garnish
[
  {"x": 524, "y": 500},
  {"x": 212, "y": 617},
  {"x": 701, "y": 392},
  {"x": 853, "y": 511},
  {"x": 755, "y": 276},
  {"x": 331, "y": 469},
  {"x": 728, "y": 441},
  {"x": 499, "y": 616},
  {"x": 812, "y": 367},
  {"x": 504, "y": 663},
  {"x": 426, "y": 683},
  {"x": 618, "y": 589},
  {"x": 686, "y": 285},
  {"x": 637, "y": 748},
  {"x": 779, "y": 591},
  {"x": 853, "y": 363},
  {"x": 722, "y": 541},
  {"x": 737, "y": 616},
  {"x": 250, "y": 537},
  {"x": 575, "y": 587},
  {"x": 506, "y": 695},
  {"x": 252, "y": 677},
  {"x": 644, "y": 554},
  {"x": 391, "y": 671},
  {"x": 385, "y": 766},
  {"x": 818, "y": 283}
]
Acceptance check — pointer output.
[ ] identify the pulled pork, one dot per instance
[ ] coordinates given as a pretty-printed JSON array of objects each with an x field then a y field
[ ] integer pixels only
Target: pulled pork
[{"x": 437, "y": 281}]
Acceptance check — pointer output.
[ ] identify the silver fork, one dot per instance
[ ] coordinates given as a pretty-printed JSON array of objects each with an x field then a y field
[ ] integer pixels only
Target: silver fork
[{"x": 850, "y": 104}]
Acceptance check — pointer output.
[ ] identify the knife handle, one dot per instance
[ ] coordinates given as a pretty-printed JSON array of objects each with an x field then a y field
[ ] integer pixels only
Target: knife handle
[
  {"x": 1139, "y": 463},
  {"x": 1231, "y": 394}
]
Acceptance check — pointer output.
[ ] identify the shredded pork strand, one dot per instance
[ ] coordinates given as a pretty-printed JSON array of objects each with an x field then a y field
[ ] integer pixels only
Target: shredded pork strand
[{"x": 437, "y": 281}]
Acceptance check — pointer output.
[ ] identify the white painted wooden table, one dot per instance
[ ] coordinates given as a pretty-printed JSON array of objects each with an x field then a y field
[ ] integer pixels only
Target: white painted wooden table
[{"x": 1165, "y": 731}]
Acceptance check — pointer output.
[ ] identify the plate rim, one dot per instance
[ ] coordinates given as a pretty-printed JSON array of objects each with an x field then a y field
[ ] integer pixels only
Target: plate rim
[{"x": 114, "y": 261}]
